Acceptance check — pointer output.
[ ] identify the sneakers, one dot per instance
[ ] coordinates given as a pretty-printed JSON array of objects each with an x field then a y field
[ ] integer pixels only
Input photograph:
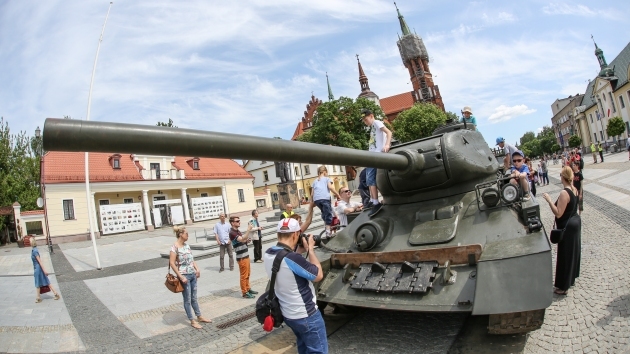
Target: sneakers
[
  {"x": 231, "y": 269},
  {"x": 375, "y": 209},
  {"x": 252, "y": 291},
  {"x": 248, "y": 295},
  {"x": 220, "y": 270}
]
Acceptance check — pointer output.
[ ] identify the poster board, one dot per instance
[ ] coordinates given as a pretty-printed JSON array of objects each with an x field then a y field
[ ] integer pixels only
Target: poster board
[
  {"x": 157, "y": 217},
  {"x": 177, "y": 214},
  {"x": 117, "y": 218},
  {"x": 206, "y": 208}
]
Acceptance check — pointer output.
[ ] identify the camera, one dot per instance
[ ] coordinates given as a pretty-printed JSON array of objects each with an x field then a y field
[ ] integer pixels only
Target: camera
[{"x": 318, "y": 241}]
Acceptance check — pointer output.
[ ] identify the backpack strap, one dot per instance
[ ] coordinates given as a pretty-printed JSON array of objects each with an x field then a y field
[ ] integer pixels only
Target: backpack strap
[{"x": 274, "y": 270}]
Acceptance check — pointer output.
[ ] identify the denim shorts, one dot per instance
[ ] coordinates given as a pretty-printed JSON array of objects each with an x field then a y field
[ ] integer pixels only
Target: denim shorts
[
  {"x": 310, "y": 333},
  {"x": 327, "y": 213},
  {"x": 370, "y": 176}
]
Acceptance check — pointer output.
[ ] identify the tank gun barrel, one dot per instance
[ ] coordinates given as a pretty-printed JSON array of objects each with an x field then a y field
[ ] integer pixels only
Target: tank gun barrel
[{"x": 91, "y": 136}]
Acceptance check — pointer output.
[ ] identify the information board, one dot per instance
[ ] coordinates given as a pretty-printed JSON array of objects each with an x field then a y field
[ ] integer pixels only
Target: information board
[
  {"x": 117, "y": 218},
  {"x": 206, "y": 207}
]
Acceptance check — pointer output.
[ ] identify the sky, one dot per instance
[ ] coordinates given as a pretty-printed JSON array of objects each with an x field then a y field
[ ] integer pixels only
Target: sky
[{"x": 250, "y": 67}]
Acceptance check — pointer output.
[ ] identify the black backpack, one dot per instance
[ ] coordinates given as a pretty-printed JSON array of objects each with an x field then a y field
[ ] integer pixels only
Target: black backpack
[{"x": 267, "y": 304}]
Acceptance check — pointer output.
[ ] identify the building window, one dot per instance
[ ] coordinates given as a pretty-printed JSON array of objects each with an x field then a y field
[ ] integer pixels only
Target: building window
[
  {"x": 341, "y": 168},
  {"x": 612, "y": 102},
  {"x": 597, "y": 114},
  {"x": 265, "y": 176},
  {"x": 204, "y": 195},
  {"x": 334, "y": 168},
  {"x": 602, "y": 134},
  {"x": 274, "y": 197},
  {"x": 103, "y": 202},
  {"x": 307, "y": 170},
  {"x": 261, "y": 203},
  {"x": 263, "y": 162},
  {"x": 591, "y": 115},
  {"x": 621, "y": 103},
  {"x": 241, "y": 196},
  {"x": 595, "y": 136},
  {"x": 117, "y": 163},
  {"x": 68, "y": 209},
  {"x": 628, "y": 128},
  {"x": 128, "y": 200},
  {"x": 195, "y": 165},
  {"x": 34, "y": 228},
  {"x": 297, "y": 171}
]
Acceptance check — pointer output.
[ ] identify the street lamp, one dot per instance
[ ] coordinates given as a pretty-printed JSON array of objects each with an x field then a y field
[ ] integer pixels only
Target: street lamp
[{"x": 42, "y": 188}]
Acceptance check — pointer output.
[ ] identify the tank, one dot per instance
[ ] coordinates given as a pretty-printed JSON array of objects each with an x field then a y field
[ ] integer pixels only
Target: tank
[{"x": 453, "y": 235}]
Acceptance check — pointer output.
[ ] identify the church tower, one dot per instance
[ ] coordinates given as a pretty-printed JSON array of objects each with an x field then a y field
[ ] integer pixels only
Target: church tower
[
  {"x": 365, "y": 87},
  {"x": 416, "y": 59},
  {"x": 605, "y": 69}
]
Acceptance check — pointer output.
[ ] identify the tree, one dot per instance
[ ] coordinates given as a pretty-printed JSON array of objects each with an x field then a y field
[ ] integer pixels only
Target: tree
[
  {"x": 527, "y": 137},
  {"x": 555, "y": 147},
  {"x": 418, "y": 122},
  {"x": 615, "y": 127},
  {"x": 532, "y": 148},
  {"x": 339, "y": 123},
  {"x": 547, "y": 138},
  {"x": 453, "y": 116},
  {"x": 575, "y": 141},
  {"x": 169, "y": 124}
]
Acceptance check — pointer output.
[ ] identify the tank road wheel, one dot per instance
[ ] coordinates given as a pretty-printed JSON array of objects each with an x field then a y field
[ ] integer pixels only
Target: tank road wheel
[{"x": 516, "y": 322}]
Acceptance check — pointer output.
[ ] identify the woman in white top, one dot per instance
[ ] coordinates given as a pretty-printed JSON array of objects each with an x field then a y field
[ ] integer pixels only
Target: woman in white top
[{"x": 322, "y": 187}]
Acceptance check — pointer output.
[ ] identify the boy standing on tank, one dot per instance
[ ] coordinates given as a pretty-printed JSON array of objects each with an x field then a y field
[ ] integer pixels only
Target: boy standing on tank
[{"x": 380, "y": 141}]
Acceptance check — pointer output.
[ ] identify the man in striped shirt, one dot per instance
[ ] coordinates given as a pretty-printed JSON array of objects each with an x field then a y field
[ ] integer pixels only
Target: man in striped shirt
[{"x": 239, "y": 242}]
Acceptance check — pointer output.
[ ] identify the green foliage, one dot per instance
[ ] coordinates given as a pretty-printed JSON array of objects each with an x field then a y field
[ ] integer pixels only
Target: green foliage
[
  {"x": 555, "y": 147},
  {"x": 575, "y": 141},
  {"x": 418, "y": 122},
  {"x": 451, "y": 115},
  {"x": 615, "y": 126},
  {"x": 169, "y": 124},
  {"x": 547, "y": 138},
  {"x": 527, "y": 137},
  {"x": 19, "y": 169},
  {"x": 338, "y": 123},
  {"x": 532, "y": 148}
]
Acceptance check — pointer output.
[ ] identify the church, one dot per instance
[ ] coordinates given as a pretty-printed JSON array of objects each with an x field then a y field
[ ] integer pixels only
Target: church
[{"x": 416, "y": 60}]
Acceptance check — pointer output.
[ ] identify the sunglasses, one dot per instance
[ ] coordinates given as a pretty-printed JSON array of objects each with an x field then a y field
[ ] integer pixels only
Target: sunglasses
[
  {"x": 236, "y": 221},
  {"x": 346, "y": 191},
  {"x": 519, "y": 160}
]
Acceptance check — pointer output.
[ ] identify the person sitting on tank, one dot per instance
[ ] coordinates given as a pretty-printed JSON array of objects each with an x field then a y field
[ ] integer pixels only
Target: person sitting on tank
[
  {"x": 345, "y": 206},
  {"x": 468, "y": 118},
  {"x": 520, "y": 172},
  {"x": 509, "y": 150}
]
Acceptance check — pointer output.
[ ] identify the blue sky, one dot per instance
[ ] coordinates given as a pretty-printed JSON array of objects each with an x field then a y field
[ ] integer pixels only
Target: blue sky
[{"x": 249, "y": 67}]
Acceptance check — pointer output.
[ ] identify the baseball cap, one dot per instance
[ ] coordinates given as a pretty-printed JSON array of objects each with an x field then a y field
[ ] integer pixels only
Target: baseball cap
[
  {"x": 365, "y": 112},
  {"x": 288, "y": 226},
  {"x": 500, "y": 140},
  {"x": 518, "y": 152}
]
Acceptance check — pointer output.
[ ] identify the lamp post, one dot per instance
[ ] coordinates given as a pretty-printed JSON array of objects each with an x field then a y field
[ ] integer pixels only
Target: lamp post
[{"x": 42, "y": 188}]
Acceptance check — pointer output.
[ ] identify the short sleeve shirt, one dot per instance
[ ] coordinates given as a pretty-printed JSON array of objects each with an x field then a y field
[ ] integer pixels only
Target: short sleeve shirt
[
  {"x": 240, "y": 248},
  {"x": 184, "y": 259},
  {"x": 377, "y": 137},
  {"x": 509, "y": 150},
  {"x": 320, "y": 188},
  {"x": 343, "y": 218},
  {"x": 223, "y": 230},
  {"x": 523, "y": 169},
  {"x": 577, "y": 180}
]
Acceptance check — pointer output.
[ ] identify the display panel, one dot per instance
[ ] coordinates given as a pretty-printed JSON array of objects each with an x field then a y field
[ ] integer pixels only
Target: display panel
[
  {"x": 206, "y": 208},
  {"x": 117, "y": 218}
]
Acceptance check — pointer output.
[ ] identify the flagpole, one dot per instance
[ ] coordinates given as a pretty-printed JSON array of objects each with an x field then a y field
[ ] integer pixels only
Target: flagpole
[{"x": 89, "y": 200}]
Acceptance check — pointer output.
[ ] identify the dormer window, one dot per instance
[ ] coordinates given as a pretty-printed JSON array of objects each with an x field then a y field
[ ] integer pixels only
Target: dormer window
[
  {"x": 195, "y": 165},
  {"x": 114, "y": 161}
]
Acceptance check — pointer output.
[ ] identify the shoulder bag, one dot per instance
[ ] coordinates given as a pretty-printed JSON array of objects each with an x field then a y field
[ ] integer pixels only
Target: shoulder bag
[
  {"x": 172, "y": 282},
  {"x": 268, "y": 310},
  {"x": 556, "y": 235}
]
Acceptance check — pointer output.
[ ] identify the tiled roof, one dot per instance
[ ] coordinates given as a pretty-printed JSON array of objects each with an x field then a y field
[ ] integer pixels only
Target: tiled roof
[
  {"x": 69, "y": 167},
  {"x": 620, "y": 65},
  {"x": 210, "y": 168},
  {"x": 396, "y": 103},
  {"x": 32, "y": 212},
  {"x": 298, "y": 131}
]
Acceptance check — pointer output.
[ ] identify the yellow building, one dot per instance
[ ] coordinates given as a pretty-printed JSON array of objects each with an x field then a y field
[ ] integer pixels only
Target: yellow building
[{"x": 139, "y": 192}]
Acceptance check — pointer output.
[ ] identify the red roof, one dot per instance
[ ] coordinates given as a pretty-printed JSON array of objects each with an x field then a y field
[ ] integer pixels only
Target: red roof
[
  {"x": 69, "y": 167},
  {"x": 396, "y": 103},
  {"x": 32, "y": 212}
]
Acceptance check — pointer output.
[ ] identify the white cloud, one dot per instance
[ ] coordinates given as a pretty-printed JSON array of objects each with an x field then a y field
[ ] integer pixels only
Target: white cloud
[
  {"x": 576, "y": 10},
  {"x": 539, "y": 130},
  {"x": 499, "y": 18},
  {"x": 504, "y": 113}
]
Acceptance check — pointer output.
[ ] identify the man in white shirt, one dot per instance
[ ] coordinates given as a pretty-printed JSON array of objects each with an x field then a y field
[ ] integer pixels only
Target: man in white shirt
[
  {"x": 380, "y": 141},
  {"x": 222, "y": 235},
  {"x": 509, "y": 150},
  {"x": 345, "y": 206}
]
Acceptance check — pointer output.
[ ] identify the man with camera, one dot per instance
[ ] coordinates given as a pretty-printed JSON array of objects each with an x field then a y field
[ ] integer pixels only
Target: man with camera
[{"x": 294, "y": 286}]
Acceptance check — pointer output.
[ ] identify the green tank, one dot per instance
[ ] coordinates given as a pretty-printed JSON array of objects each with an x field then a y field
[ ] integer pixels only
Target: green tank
[{"x": 453, "y": 234}]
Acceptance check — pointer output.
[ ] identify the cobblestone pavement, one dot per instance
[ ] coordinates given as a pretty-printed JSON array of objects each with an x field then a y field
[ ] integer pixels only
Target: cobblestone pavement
[{"x": 594, "y": 317}]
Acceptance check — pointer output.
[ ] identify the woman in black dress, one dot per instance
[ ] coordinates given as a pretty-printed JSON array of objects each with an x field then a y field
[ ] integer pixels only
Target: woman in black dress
[{"x": 569, "y": 249}]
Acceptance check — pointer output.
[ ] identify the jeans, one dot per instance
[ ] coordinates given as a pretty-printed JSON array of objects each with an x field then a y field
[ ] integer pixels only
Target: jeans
[
  {"x": 310, "y": 333},
  {"x": 327, "y": 213},
  {"x": 190, "y": 296},
  {"x": 370, "y": 176},
  {"x": 244, "y": 269},
  {"x": 230, "y": 251},
  {"x": 545, "y": 178}
]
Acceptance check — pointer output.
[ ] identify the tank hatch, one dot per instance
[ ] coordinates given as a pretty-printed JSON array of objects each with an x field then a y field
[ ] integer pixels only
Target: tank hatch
[{"x": 435, "y": 225}]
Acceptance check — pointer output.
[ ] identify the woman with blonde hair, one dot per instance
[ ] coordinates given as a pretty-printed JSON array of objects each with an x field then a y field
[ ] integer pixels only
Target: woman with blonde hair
[
  {"x": 182, "y": 262},
  {"x": 40, "y": 274},
  {"x": 569, "y": 248},
  {"x": 322, "y": 186}
]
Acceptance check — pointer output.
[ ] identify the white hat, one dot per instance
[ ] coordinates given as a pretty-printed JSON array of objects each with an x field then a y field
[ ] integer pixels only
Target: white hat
[
  {"x": 467, "y": 109},
  {"x": 288, "y": 226}
]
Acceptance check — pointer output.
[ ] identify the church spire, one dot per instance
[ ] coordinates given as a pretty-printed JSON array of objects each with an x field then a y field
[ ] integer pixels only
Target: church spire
[
  {"x": 605, "y": 70},
  {"x": 403, "y": 24},
  {"x": 363, "y": 80},
  {"x": 330, "y": 94}
]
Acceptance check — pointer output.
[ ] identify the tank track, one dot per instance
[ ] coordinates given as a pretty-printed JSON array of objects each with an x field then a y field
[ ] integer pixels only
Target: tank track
[{"x": 516, "y": 322}]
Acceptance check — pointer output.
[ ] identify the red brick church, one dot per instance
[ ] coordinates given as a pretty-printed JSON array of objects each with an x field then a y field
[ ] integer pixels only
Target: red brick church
[{"x": 416, "y": 59}]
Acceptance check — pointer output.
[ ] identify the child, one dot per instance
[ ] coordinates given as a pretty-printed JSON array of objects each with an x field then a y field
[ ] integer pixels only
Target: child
[{"x": 322, "y": 187}]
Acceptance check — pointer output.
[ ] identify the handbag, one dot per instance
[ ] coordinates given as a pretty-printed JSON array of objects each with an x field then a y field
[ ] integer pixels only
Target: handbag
[
  {"x": 268, "y": 310},
  {"x": 556, "y": 235},
  {"x": 44, "y": 289},
  {"x": 172, "y": 282}
]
